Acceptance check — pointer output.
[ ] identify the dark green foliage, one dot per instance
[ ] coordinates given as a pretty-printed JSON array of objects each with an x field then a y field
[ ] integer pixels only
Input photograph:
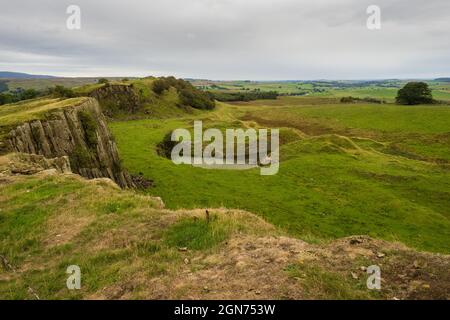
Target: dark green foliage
[
  {"x": 196, "y": 99},
  {"x": 103, "y": 81},
  {"x": 28, "y": 94},
  {"x": 3, "y": 86},
  {"x": 6, "y": 98},
  {"x": 351, "y": 99},
  {"x": 61, "y": 92},
  {"x": 414, "y": 93},
  {"x": 189, "y": 95},
  {"x": 80, "y": 158},
  {"x": 243, "y": 96},
  {"x": 160, "y": 85},
  {"x": 89, "y": 127},
  {"x": 19, "y": 95}
]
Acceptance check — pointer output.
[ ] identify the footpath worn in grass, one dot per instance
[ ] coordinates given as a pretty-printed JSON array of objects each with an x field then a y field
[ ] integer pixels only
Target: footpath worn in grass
[{"x": 326, "y": 188}]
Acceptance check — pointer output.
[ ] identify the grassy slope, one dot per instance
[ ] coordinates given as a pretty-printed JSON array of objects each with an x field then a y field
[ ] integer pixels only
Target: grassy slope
[
  {"x": 129, "y": 248},
  {"x": 49, "y": 223},
  {"x": 320, "y": 192},
  {"x": 16, "y": 113}
]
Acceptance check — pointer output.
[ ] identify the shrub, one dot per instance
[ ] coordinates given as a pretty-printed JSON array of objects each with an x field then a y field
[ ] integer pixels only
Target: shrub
[
  {"x": 6, "y": 98},
  {"x": 19, "y": 95},
  {"x": 3, "y": 86},
  {"x": 160, "y": 85},
  {"x": 351, "y": 99},
  {"x": 189, "y": 95},
  {"x": 89, "y": 127},
  {"x": 102, "y": 81},
  {"x": 243, "y": 96},
  {"x": 80, "y": 158},
  {"x": 61, "y": 92}
]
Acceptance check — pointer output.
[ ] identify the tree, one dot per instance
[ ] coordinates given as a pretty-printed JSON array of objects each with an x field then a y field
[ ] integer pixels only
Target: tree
[
  {"x": 414, "y": 93},
  {"x": 6, "y": 98},
  {"x": 103, "y": 81},
  {"x": 28, "y": 94},
  {"x": 61, "y": 92}
]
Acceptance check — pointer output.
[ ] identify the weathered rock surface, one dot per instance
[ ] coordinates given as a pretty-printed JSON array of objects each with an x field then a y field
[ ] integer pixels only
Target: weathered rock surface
[
  {"x": 27, "y": 164},
  {"x": 79, "y": 132},
  {"x": 114, "y": 98}
]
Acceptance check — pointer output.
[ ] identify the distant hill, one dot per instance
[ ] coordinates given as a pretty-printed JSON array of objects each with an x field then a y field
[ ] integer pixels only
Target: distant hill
[
  {"x": 443, "y": 79},
  {"x": 19, "y": 75}
]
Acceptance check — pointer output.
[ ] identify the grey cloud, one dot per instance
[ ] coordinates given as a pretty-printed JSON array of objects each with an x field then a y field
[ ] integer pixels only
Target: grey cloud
[{"x": 227, "y": 39}]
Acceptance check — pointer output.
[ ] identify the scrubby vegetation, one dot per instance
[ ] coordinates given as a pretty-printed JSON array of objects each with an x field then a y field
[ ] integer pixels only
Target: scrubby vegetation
[
  {"x": 89, "y": 127},
  {"x": 243, "y": 96},
  {"x": 19, "y": 95},
  {"x": 189, "y": 95},
  {"x": 351, "y": 99},
  {"x": 102, "y": 81},
  {"x": 61, "y": 92},
  {"x": 3, "y": 86}
]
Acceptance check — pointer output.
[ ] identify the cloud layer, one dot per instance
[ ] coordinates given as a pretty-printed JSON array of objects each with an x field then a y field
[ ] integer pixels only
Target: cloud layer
[{"x": 228, "y": 39}]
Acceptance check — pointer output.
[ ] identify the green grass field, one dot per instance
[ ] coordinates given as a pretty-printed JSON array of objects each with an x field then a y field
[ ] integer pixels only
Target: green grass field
[
  {"x": 352, "y": 169},
  {"x": 383, "y": 89}
]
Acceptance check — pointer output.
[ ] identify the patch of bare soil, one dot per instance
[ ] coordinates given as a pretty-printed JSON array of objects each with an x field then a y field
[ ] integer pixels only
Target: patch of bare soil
[
  {"x": 249, "y": 267},
  {"x": 405, "y": 273}
]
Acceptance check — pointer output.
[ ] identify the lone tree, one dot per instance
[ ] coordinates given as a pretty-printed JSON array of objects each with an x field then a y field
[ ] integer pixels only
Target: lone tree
[{"x": 414, "y": 93}]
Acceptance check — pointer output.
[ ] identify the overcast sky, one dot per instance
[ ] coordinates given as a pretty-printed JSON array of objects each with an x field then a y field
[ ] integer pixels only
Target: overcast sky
[{"x": 227, "y": 39}]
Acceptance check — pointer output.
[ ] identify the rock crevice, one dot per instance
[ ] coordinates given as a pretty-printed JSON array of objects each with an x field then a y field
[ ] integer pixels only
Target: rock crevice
[{"x": 79, "y": 132}]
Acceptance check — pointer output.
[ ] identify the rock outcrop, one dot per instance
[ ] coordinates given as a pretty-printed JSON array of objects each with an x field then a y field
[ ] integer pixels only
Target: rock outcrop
[
  {"x": 116, "y": 98},
  {"x": 79, "y": 132},
  {"x": 28, "y": 164}
]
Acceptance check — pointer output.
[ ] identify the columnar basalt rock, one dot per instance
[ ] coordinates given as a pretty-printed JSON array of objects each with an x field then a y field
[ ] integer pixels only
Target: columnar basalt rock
[{"x": 79, "y": 132}]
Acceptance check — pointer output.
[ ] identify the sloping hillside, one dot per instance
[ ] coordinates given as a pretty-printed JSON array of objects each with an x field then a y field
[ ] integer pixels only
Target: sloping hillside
[
  {"x": 147, "y": 98},
  {"x": 128, "y": 247}
]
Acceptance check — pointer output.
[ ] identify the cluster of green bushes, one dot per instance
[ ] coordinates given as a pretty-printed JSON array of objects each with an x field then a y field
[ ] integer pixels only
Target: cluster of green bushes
[
  {"x": 60, "y": 92},
  {"x": 243, "y": 96},
  {"x": 189, "y": 95},
  {"x": 18, "y": 95},
  {"x": 22, "y": 94},
  {"x": 3, "y": 86},
  {"x": 351, "y": 99}
]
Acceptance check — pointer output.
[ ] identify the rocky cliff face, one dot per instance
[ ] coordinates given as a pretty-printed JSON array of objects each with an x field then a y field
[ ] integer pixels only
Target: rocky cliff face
[
  {"x": 116, "y": 98},
  {"x": 79, "y": 132}
]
